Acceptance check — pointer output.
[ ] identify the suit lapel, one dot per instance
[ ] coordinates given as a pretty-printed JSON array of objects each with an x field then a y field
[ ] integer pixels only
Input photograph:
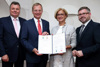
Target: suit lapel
[
  {"x": 56, "y": 30},
  {"x": 34, "y": 28},
  {"x": 10, "y": 26},
  {"x": 21, "y": 22},
  {"x": 78, "y": 36},
  {"x": 86, "y": 30},
  {"x": 43, "y": 26}
]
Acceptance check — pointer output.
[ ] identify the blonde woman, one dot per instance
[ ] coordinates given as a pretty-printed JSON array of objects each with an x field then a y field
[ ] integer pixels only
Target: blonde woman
[{"x": 63, "y": 59}]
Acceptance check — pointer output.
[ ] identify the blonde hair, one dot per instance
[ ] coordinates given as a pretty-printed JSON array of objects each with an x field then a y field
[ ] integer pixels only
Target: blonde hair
[{"x": 66, "y": 13}]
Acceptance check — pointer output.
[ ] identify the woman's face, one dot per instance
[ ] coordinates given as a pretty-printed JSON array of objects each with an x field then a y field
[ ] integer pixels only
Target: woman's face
[{"x": 61, "y": 16}]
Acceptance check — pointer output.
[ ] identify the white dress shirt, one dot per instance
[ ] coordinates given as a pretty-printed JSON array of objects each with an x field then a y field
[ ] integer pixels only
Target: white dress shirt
[
  {"x": 36, "y": 23},
  {"x": 86, "y": 24},
  {"x": 60, "y": 30},
  {"x": 18, "y": 22}
]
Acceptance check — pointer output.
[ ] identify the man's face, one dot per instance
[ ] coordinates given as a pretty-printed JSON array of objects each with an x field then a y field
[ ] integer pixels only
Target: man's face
[
  {"x": 84, "y": 15},
  {"x": 37, "y": 11},
  {"x": 14, "y": 10}
]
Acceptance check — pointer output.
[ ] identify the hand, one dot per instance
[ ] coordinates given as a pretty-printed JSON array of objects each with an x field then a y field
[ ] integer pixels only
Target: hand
[
  {"x": 68, "y": 46},
  {"x": 36, "y": 52},
  {"x": 5, "y": 58},
  {"x": 79, "y": 53},
  {"x": 74, "y": 52},
  {"x": 60, "y": 53},
  {"x": 45, "y": 33}
]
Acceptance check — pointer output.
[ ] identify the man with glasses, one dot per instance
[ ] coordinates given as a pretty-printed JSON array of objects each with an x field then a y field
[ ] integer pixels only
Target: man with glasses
[
  {"x": 29, "y": 37},
  {"x": 87, "y": 51}
]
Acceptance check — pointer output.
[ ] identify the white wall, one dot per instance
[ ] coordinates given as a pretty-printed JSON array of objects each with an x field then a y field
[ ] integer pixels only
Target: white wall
[
  {"x": 4, "y": 8},
  {"x": 50, "y": 6}
]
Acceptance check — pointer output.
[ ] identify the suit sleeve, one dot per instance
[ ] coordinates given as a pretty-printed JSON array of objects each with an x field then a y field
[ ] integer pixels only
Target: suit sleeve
[
  {"x": 24, "y": 37},
  {"x": 48, "y": 28},
  {"x": 2, "y": 49},
  {"x": 96, "y": 47}
]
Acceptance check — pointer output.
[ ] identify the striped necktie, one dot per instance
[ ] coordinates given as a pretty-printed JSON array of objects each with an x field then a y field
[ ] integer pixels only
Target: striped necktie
[{"x": 81, "y": 30}]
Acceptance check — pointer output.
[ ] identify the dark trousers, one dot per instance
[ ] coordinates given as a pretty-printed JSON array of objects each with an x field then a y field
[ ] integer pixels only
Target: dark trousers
[
  {"x": 11, "y": 64},
  {"x": 18, "y": 63},
  {"x": 41, "y": 64}
]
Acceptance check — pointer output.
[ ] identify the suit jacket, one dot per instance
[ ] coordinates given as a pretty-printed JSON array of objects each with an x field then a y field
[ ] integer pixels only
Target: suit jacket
[
  {"x": 9, "y": 43},
  {"x": 66, "y": 60},
  {"x": 89, "y": 43},
  {"x": 70, "y": 34},
  {"x": 29, "y": 39}
]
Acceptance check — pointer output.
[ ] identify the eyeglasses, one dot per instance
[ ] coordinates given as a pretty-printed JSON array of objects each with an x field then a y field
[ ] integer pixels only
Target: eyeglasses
[
  {"x": 60, "y": 14},
  {"x": 82, "y": 14}
]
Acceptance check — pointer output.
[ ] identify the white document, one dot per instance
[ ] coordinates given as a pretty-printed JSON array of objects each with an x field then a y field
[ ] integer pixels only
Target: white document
[{"x": 52, "y": 44}]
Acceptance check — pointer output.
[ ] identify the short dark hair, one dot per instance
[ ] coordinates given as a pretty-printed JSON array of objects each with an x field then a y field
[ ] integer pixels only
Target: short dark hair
[
  {"x": 36, "y": 4},
  {"x": 15, "y": 3},
  {"x": 84, "y": 7}
]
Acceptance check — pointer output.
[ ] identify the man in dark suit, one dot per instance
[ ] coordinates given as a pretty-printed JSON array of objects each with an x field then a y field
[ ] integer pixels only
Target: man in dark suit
[
  {"x": 29, "y": 37},
  {"x": 11, "y": 50},
  {"x": 87, "y": 51}
]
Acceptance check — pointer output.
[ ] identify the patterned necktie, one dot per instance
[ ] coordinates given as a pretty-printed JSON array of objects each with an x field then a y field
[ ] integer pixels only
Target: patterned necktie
[
  {"x": 16, "y": 27},
  {"x": 39, "y": 28},
  {"x": 81, "y": 30}
]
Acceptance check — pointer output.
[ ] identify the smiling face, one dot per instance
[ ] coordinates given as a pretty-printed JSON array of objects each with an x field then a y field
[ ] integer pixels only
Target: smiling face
[
  {"x": 61, "y": 17},
  {"x": 14, "y": 10},
  {"x": 84, "y": 15},
  {"x": 37, "y": 11}
]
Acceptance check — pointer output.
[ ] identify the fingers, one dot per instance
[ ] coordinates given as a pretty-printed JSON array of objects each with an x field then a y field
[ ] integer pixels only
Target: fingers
[
  {"x": 45, "y": 33},
  {"x": 68, "y": 46},
  {"x": 74, "y": 52},
  {"x": 36, "y": 52},
  {"x": 39, "y": 54},
  {"x": 77, "y": 53},
  {"x": 5, "y": 58},
  {"x": 60, "y": 53}
]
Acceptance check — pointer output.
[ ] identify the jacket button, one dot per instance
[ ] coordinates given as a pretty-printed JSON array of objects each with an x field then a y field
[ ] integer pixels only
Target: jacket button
[{"x": 17, "y": 45}]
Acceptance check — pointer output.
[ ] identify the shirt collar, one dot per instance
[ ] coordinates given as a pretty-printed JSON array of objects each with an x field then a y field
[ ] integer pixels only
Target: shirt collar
[
  {"x": 36, "y": 19},
  {"x": 14, "y": 18},
  {"x": 86, "y": 23}
]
